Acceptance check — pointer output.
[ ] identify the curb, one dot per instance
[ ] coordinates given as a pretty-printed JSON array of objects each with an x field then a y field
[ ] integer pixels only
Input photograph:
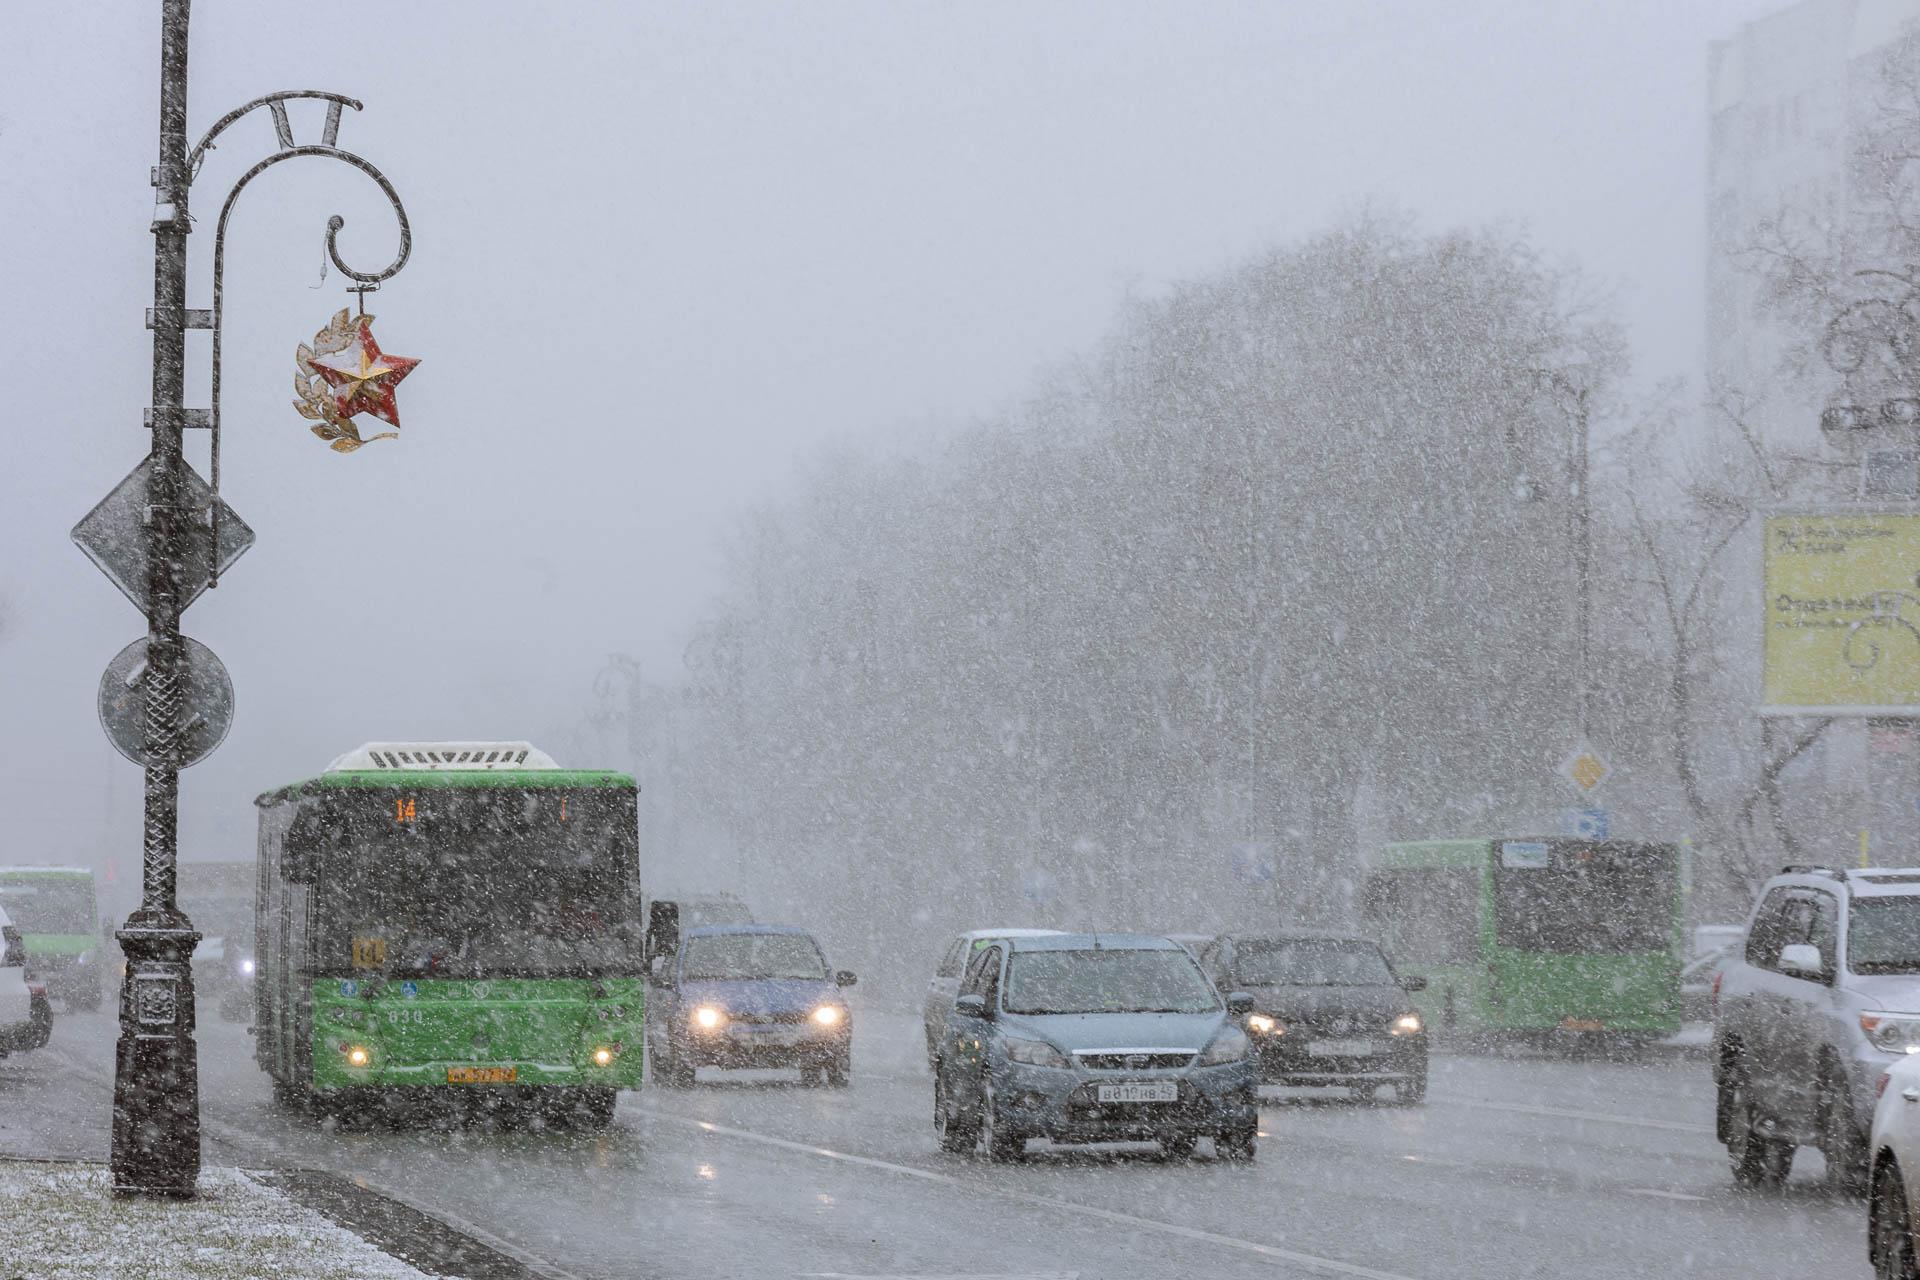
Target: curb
[{"x": 416, "y": 1238}]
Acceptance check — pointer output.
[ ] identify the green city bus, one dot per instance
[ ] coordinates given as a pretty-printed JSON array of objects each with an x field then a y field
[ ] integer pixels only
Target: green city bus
[
  {"x": 453, "y": 924},
  {"x": 53, "y": 907},
  {"x": 1535, "y": 937}
]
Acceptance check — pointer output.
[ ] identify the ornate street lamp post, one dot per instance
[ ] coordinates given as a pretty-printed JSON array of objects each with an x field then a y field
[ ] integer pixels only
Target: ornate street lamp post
[{"x": 156, "y": 1117}]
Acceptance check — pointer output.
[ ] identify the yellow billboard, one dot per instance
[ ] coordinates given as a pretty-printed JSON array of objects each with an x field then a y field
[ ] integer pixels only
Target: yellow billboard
[{"x": 1843, "y": 615}]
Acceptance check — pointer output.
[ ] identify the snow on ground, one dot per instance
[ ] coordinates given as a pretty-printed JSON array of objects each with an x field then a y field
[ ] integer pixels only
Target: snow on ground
[{"x": 62, "y": 1223}]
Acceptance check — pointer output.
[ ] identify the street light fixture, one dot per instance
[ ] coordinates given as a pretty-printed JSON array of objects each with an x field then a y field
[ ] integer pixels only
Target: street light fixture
[{"x": 156, "y": 1107}]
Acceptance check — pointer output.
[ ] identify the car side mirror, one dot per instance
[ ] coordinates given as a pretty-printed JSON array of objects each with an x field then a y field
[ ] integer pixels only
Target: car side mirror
[
  {"x": 1802, "y": 959},
  {"x": 970, "y": 1007},
  {"x": 1412, "y": 982},
  {"x": 844, "y": 978},
  {"x": 1239, "y": 1003}
]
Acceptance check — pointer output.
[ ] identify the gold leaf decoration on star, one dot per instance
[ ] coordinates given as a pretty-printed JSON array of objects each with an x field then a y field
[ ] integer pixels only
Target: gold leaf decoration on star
[{"x": 312, "y": 399}]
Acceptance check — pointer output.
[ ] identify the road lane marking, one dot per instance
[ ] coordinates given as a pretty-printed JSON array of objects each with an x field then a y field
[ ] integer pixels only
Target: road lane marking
[
  {"x": 1569, "y": 1113},
  {"x": 1663, "y": 1195},
  {"x": 1312, "y": 1262},
  {"x": 902, "y": 1275}
]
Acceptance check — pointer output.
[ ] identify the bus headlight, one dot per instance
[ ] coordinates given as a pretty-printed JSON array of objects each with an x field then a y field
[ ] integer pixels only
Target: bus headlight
[
  {"x": 246, "y": 966},
  {"x": 1265, "y": 1025},
  {"x": 358, "y": 1055},
  {"x": 603, "y": 1056},
  {"x": 827, "y": 1015},
  {"x": 709, "y": 1017},
  {"x": 1407, "y": 1024}
]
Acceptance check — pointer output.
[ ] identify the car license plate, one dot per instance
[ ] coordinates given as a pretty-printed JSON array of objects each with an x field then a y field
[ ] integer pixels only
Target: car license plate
[
  {"x": 1340, "y": 1048},
  {"x": 482, "y": 1075},
  {"x": 770, "y": 1035},
  {"x": 1146, "y": 1091}
]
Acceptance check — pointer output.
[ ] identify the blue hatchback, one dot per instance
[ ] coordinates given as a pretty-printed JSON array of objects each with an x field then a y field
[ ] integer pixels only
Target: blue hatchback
[
  {"x": 1094, "y": 1038},
  {"x": 748, "y": 995}
]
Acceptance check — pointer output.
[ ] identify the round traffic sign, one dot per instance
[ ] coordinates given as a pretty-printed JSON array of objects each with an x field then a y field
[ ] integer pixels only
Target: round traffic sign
[{"x": 206, "y": 703}]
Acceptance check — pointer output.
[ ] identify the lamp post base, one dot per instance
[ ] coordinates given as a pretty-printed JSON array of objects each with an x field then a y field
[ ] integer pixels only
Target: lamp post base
[{"x": 156, "y": 1069}]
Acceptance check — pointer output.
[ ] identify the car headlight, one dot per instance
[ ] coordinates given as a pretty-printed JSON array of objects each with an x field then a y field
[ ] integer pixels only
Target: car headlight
[
  {"x": 1035, "y": 1053},
  {"x": 829, "y": 1015},
  {"x": 709, "y": 1017},
  {"x": 246, "y": 966},
  {"x": 1892, "y": 1032},
  {"x": 1230, "y": 1045},
  {"x": 1265, "y": 1025},
  {"x": 1407, "y": 1024}
]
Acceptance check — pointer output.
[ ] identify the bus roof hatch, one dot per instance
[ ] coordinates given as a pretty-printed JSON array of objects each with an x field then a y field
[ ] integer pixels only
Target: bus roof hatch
[{"x": 448, "y": 756}]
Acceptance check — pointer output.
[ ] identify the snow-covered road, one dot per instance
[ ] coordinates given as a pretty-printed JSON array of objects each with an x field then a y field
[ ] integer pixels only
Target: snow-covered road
[{"x": 1513, "y": 1168}]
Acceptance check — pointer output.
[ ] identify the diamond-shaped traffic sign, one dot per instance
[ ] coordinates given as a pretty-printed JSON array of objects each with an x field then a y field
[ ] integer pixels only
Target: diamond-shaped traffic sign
[
  {"x": 114, "y": 535},
  {"x": 1585, "y": 768}
]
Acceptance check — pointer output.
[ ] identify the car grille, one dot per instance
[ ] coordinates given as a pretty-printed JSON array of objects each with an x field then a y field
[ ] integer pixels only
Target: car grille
[
  {"x": 800, "y": 1015},
  {"x": 1134, "y": 1061}
]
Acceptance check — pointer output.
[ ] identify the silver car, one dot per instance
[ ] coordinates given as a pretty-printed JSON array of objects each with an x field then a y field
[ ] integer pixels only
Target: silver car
[
  {"x": 1892, "y": 1209},
  {"x": 946, "y": 977},
  {"x": 1823, "y": 998}
]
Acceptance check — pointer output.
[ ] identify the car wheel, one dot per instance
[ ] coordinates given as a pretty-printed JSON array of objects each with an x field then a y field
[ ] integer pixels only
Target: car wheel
[
  {"x": 1237, "y": 1144},
  {"x": 1180, "y": 1146},
  {"x": 1411, "y": 1092},
  {"x": 840, "y": 1069},
  {"x": 1002, "y": 1142},
  {"x": 1841, "y": 1141},
  {"x": 811, "y": 1074},
  {"x": 1758, "y": 1160},
  {"x": 1890, "y": 1227},
  {"x": 957, "y": 1136}
]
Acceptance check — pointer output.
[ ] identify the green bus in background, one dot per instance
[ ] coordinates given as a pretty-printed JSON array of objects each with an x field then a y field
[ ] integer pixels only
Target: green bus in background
[
  {"x": 1535, "y": 937},
  {"x": 54, "y": 909},
  {"x": 451, "y": 924}
]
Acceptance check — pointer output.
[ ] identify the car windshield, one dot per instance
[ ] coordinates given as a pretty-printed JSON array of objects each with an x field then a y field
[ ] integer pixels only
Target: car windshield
[
  {"x": 1883, "y": 934},
  {"x": 1312, "y": 962},
  {"x": 1128, "y": 980},
  {"x": 49, "y": 905},
  {"x": 751, "y": 955}
]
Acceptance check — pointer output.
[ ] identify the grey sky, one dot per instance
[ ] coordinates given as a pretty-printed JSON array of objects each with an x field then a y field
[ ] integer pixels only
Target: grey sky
[{"x": 662, "y": 251}]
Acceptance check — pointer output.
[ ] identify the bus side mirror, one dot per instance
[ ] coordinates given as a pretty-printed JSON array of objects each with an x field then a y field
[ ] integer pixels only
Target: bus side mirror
[
  {"x": 663, "y": 929},
  {"x": 1412, "y": 982}
]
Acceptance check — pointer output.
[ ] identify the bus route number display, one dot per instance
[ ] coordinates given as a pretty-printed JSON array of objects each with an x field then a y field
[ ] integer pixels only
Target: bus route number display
[
  {"x": 403, "y": 810},
  {"x": 369, "y": 953}
]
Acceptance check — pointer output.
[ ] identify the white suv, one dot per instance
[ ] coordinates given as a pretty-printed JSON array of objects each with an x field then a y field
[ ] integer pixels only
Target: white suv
[
  {"x": 1823, "y": 998},
  {"x": 26, "y": 1019}
]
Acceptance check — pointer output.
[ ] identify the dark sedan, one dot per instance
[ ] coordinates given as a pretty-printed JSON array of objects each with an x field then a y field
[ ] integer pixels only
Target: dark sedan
[
  {"x": 748, "y": 996},
  {"x": 1328, "y": 1011}
]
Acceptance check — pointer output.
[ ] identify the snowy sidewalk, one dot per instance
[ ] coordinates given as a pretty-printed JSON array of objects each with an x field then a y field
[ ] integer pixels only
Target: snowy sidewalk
[{"x": 63, "y": 1223}]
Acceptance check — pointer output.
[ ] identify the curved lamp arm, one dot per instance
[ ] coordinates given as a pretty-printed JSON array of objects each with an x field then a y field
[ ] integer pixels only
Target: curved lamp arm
[{"x": 289, "y": 150}]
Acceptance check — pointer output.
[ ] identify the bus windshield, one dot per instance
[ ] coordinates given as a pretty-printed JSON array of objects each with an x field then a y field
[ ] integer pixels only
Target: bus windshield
[
  {"x": 48, "y": 904},
  {"x": 492, "y": 882},
  {"x": 1580, "y": 898}
]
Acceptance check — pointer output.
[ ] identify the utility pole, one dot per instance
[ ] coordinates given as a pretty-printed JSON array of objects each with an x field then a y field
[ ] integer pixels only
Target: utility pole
[
  {"x": 1583, "y": 552},
  {"x": 156, "y": 1090},
  {"x": 163, "y": 537}
]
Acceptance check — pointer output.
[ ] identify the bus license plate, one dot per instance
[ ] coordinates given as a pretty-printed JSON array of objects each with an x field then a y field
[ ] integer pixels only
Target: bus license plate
[
  {"x": 1340, "y": 1048},
  {"x": 1148, "y": 1091},
  {"x": 482, "y": 1075}
]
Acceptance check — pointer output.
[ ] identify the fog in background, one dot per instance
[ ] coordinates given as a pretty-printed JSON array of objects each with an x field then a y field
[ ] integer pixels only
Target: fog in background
[{"x": 662, "y": 254}]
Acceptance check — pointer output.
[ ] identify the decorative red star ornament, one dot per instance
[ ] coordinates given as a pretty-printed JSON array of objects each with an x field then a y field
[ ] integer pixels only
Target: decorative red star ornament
[{"x": 344, "y": 373}]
